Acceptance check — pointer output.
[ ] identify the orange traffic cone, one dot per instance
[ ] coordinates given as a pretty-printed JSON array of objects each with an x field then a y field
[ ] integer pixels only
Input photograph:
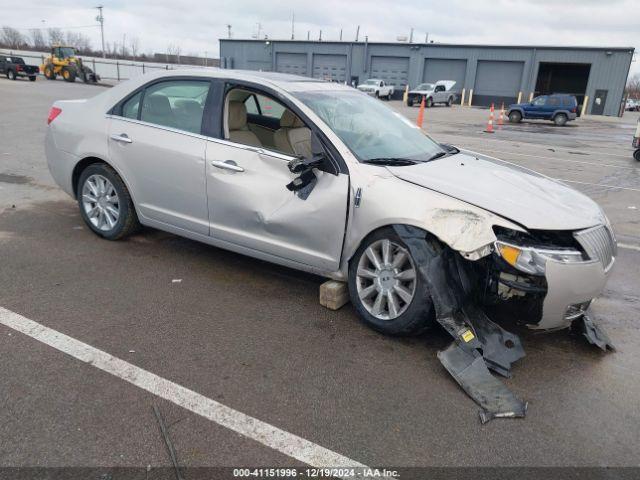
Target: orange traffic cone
[
  {"x": 489, "y": 128},
  {"x": 420, "y": 114},
  {"x": 501, "y": 117}
]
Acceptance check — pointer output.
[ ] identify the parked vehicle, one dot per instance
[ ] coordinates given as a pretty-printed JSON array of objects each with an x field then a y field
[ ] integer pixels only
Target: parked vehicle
[
  {"x": 378, "y": 88},
  {"x": 632, "y": 105},
  {"x": 66, "y": 62},
  {"x": 559, "y": 108},
  {"x": 14, "y": 67},
  {"x": 433, "y": 93},
  {"x": 324, "y": 180}
]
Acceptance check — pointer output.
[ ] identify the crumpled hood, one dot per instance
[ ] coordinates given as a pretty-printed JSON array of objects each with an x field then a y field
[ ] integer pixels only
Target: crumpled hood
[{"x": 508, "y": 190}]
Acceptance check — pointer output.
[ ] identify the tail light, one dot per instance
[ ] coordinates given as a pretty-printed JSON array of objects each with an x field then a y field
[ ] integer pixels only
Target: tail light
[
  {"x": 53, "y": 113},
  {"x": 574, "y": 109},
  {"x": 19, "y": 68}
]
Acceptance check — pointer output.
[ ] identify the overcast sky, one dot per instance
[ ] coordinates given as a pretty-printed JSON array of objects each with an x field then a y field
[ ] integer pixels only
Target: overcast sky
[{"x": 198, "y": 24}]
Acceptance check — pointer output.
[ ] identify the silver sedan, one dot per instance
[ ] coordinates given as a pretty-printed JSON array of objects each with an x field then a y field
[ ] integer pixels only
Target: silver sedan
[{"x": 319, "y": 177}]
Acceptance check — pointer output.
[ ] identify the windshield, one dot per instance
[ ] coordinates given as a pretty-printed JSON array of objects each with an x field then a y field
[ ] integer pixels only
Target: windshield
[
  {"x": 425, "y": 86},
  {"x": 66, "y": 52},
  {"x": 371, "y": 82},
  {"x": 369, "y": 128}
]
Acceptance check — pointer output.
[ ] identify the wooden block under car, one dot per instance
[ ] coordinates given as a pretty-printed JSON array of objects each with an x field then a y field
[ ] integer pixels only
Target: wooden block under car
[{"x": 333, "y": 294}]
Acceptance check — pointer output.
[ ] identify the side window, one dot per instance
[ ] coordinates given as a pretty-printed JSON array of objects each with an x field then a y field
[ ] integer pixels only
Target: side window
[
  {"x": 553, "y": 101},
  {"x": 269, "y": 107},
  {"x": 440, "y": 88},
  {"x": 540, "y": 101},
  {"x": 130, "y": 107},
  {"x": 177, "y": 104},
  {"x": 252, "y": 106}
]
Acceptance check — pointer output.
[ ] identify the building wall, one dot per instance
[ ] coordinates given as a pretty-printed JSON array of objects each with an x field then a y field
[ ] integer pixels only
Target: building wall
[{"x": 609, "y": 66}]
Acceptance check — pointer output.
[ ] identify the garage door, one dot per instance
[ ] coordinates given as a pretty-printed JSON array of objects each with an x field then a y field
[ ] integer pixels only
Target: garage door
[
  {"x": 393, "y": 70},
  {"x": 330, "y": 67},
  {"x": 295, "y": 63},
  {"x": 497, "y": 82},
  {"x": 445, "y": 69}
]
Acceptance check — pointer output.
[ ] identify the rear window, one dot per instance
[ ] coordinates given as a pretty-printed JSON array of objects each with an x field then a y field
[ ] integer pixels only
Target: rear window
[{"x": 569, "y": 101}]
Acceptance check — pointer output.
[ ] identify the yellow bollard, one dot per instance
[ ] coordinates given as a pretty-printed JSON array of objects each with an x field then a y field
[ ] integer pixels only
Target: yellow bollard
[
  {"x": 531, "y": 96},
  {"x": 405, "y": 95},
  {"x": 584, "y": 105},
  {"x": 519, "y": 97},
  {"x": 470, "y": 95},
  {"x": 462, "y": 98}
]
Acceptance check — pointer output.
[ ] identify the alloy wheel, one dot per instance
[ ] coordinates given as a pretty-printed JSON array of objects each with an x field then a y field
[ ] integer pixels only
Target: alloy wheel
[
  {"x": 386, "y": 279},
  {"x": 100, "y": 202}
]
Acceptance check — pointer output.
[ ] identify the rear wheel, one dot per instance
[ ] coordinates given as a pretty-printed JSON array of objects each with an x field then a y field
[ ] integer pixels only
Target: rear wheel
[
  {"x": 515, "y": 116},
  {"x": 389, "y": 95},
  {"x": 105, "y": 203},
  {"x": 385, "y": 286},
  {"x": 32, "y": 78},
  {"x": 560, "y": 119},
  {"x": 636, "y": 155},
  {"x": 410, "y": 102},
  {"x": 449, "y": 101},
  {"x": 11, "y": 75}
]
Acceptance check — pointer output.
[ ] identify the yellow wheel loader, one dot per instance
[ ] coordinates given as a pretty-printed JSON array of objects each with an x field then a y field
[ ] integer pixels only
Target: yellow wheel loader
[{"x": 65, "y": 62}]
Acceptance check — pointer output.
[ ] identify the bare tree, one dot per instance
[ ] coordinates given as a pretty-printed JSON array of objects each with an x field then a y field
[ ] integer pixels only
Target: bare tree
[
  {"x": 80, "y": 41},
  {"x": 55, "y": 36},
  {"x": 37, "y": 39},
  {"x": 174, "y": 50},
  {"x": 11, "y": 38},
  {"x": 134, "y": 46},
  {"x": 633, "y": 86}
]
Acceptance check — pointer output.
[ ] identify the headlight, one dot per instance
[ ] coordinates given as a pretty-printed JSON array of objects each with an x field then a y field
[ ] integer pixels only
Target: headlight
[{"x": 534, "y": 260}]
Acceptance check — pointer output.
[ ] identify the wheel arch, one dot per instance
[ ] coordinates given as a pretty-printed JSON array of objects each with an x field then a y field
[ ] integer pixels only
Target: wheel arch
[{"x": 82, "y": 165}]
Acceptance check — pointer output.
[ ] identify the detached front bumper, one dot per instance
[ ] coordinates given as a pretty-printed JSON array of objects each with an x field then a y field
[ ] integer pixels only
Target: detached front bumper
[{"x": 570, "y": 289}]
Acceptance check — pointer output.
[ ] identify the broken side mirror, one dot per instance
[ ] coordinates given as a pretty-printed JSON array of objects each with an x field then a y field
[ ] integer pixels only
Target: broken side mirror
[{"x": 303, "y": 167}]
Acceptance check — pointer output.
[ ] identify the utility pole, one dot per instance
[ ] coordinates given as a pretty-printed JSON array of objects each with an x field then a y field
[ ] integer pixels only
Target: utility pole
[
  {"x": 124, "y": 40},
  {"x": 320, "y": 36},
  {"x": 411, "y": 36},
  {"x": 293, "y": 21},
  {"x": 426, "y": 37},
  {"x": 100, "y": 19},
  {"x": 228, "y": 30},
  {"x": 340, "y": 34},
  {"x": 357, "y": 32}
]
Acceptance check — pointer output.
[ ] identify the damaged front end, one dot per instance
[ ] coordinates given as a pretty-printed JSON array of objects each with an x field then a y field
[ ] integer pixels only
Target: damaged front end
[{"x": 515, "y": 279}]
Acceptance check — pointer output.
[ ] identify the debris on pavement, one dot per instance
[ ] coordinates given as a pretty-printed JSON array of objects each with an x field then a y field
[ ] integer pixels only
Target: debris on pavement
[
  {"x": 594, "y": 333},
  {"x": 168, "y": 443}
]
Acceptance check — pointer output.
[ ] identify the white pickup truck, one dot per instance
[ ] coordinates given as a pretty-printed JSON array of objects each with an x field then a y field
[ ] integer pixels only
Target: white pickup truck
[
  {"x": 439, "y": 92},
  {"x": 376, "y": 87}
]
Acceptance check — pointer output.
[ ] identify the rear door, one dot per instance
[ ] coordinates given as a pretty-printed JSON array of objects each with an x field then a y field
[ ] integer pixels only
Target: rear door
[
  {"x": 551, "y": 105},
  {"x": 155, "y": 142}
]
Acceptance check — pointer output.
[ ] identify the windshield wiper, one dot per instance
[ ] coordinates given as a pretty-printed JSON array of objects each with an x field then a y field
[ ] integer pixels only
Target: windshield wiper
[
  {"x": 394, "y": 162},
  {"x": 438, "y": 155}
]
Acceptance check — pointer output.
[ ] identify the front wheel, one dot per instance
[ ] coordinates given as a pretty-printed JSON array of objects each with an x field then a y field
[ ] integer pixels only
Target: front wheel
[
  {"x": 515, "y": 117},
  {"x": 386, "y": 288},
  {"x": 105, "y": 203},
  {"x": 636, "y": 155}
]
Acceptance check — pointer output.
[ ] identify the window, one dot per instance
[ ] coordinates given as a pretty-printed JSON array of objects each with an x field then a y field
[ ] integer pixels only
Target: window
[
  {"x": 553, "y": 101},
  {"x": 440, "y": 88},
  {"x": 568, "y": 102},
  {"x": 269, "y": 107},
  {"x": 252, "y": 105},
  {"x": 177, "y": 104},
  {"x": 540, "y": 101},
  {"x": 130, "y": 107}
]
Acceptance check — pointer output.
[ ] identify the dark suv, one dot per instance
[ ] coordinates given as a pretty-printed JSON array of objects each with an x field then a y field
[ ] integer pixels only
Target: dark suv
[{"x": 559, "y": 108}]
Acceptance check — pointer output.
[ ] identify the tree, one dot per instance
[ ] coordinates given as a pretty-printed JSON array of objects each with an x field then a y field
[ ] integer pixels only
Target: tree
[
  {"x": 173, "y": 50},
  {"x": 37, "y": 39},
  {"x": 55, "y": 36},
  {"x": 11, "y": 38},
  {"x": 633, "y": 86},
  {"x": 80, "y": 41},
  {"x": 134, "y": 46}
]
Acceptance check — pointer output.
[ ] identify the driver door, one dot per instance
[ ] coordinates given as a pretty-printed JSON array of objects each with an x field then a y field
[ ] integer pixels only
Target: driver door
[{"x": 250, "y": 206}]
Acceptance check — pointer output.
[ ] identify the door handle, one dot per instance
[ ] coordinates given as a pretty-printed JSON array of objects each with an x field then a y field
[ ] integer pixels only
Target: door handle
[
  {"x": 227, "y": 165},
  {"x": 123, "y": 137}
]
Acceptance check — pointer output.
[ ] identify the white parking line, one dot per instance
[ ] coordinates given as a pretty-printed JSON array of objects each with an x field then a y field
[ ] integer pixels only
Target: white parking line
[
  {"x": 599, "y": 185},
  {"x": 555, "y": 159},
  {"x": 273, "y": 437},
  {"x": 629, "y": 247}
]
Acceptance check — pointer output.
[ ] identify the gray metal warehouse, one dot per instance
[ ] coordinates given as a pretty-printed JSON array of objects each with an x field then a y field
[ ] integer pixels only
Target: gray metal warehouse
[{"x": 486, "y": 73}]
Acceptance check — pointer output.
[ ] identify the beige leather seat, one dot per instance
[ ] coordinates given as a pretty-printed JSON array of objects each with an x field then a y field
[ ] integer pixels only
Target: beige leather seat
[
  {"x": 237, "y": 122},
  {"x": 292, "y": 136}
]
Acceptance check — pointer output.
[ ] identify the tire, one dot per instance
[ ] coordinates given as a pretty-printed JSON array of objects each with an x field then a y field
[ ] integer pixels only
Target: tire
[
  {"x": 636, "y": 155},
  {"x": 377, "y": 94},
  {"x": 103, "y": 223},
  {"x": 69, "y": 74},
  {"x": 449, "y": 102},
  {"x": 409, "y": 102},
  {"x": 515, "y": 117},
  {"x": 11, "y": 75},
  {"x": 560, "y": 119},
  {"x": 32, "y": 78},
  {"x": 429, "y": 102},
  {"x": 414, "y": 316},
  {"x": 389, "y": 95},
  {"x": 49, "y": 73}
]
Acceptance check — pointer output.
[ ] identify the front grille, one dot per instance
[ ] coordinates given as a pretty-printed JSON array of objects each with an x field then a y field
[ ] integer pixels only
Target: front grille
[{"x": 599, "y": 243}]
